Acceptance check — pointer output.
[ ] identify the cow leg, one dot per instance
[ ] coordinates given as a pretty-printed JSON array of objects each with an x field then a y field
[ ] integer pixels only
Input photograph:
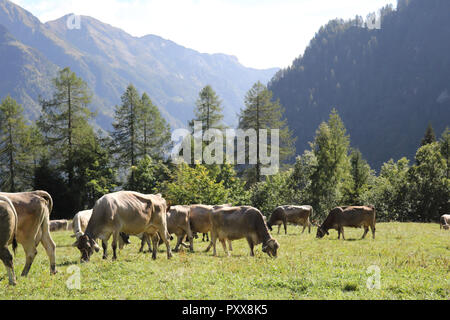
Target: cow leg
[
  {"x": 30, "y": 253},
  {"x": 49, "y": 245},
  {"x": 285, "y": 226},
  {"x": 165, "y": 238},
  {"x": 114, "y": 245},
  {"x": 279, "y": 227},
  {"x": 304, "y": 227},
  {"x": 179, "y": 241},
  {"x": 309, "y": 227},
  {"x": 373, "y": 231},
  {"x": 155, "y": 242},
  {"x": 105, "y": 249},
  {"x": 224, "y": 245},
  {"x": 230, "y": 245},
  {"x": 7, "y": 259},
  {"x": 252, "y": 246},
  {"x": 366, "y": 229},
  {"x": 342, "y": 231},
  {"x": 213, "y": 244}
]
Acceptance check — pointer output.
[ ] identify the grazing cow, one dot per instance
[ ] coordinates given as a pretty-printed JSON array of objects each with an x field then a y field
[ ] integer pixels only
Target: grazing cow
[
  {"x": 8, "y": 231},
  {"x": 59, "y": 225},
  {"x": 128, "y": 212},
  {"x": 234, "y": 223},
  {"x": 355, "y": 217},
  {"x": 33, "y": 211},
  {"x": 298, "y": 215},
  {"x": 445, "y": 221}
]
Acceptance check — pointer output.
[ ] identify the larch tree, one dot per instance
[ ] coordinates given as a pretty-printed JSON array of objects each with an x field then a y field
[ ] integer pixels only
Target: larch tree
[
  {"x": 262, "y": 113},
  {"x": 15, "y": 161},
  {"x": 65, "y": 118}
]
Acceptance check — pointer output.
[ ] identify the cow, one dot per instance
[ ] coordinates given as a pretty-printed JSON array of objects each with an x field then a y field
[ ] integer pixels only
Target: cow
[
  {"x": 234, "y": 223},
  {"x": 178, "y": 224},
  {"x": 128, "y": 212},
  {"x": 80, "y": 222},
  {"x": 8, "y": 231},
  {"x": 355, "y": 217},
  {"x": 200, "y": 219},
  {"x": 298, "y": 215},
  {"x": 445, "y": 221},
  {"x": 59, "y": 225},
  {"x": 33, "y": 212}
]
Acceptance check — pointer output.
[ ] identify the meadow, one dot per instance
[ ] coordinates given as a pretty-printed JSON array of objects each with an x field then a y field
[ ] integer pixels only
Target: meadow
[{"x": 413, "y": 261}]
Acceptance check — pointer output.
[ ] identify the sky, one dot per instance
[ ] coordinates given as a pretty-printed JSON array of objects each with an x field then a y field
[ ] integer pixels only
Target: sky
[{"x": 260, "y": 33}]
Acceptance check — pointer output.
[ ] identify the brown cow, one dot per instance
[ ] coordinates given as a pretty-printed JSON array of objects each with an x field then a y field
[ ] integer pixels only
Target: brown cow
[
  {"x": 128, "y": 212},
  {"x": 445, "y": 221},
  {"x": 298, "y": 215},
  {"x": 8, "y": 231},
  {"x": 33, "y": 210},
  {"x": 177, "y": 223},
  {"x": 200, "y": 219},
  {"x": 355, "y": 217},
  {"x": 59, "y": 225},
  {"x": 234, "y": 223}
]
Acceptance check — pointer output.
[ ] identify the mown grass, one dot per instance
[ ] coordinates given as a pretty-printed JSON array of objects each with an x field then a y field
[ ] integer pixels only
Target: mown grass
[{"x": 414, "y": 262}]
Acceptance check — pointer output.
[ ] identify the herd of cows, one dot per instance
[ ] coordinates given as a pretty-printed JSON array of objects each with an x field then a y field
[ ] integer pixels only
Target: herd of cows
[{"x": 25, "y": 220}]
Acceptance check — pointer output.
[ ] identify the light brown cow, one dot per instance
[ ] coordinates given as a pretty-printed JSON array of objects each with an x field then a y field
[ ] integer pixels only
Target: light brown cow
[
  {"x": 80, "y": 222},
  {"x": 33, "y": 210},
  {"x": 178, "y": 223},
  {"x": 128, "y": 212},
  {"x": 8, "y": 231},
  {"x": 445, "y": 221},
  {"x": 234, "y": 223},
  {"x": 298, "y": 215},
  {"x": 200, "y": 219},
  {"x": 355, "y": 217},
  {"x": 59, "y": 225}
]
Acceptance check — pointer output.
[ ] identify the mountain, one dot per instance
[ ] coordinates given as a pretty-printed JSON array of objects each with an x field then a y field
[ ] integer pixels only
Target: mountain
[
  {"x": 387, "y": 84},
  {"x": 25, "y": 73},
  {"x": 109, "y": 59}
]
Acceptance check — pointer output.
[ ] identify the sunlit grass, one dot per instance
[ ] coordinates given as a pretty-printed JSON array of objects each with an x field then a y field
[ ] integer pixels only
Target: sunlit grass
[{"x": 414, "y": 261}]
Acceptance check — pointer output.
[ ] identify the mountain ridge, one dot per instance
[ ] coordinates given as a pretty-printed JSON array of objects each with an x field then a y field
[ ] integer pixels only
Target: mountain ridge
[{"x": 109, "y": 59}]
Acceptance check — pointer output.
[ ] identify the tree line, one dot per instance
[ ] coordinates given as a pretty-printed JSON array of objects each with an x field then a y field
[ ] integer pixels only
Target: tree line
[{"x": 62, "y": 153}]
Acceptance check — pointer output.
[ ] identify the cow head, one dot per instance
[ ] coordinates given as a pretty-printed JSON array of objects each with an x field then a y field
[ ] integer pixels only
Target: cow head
[
  {"x": 271, "y": 247},
  {"x": 86, "y": 245},
  {"x": 321, "y": 232}
]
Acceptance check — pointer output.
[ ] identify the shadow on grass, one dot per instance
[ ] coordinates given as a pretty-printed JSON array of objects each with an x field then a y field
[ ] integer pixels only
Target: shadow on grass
[{"x": 67, "y": 263}]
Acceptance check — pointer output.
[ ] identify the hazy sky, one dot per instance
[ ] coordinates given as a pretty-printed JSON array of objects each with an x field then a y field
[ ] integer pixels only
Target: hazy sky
[{"x": 261, "y": 33}]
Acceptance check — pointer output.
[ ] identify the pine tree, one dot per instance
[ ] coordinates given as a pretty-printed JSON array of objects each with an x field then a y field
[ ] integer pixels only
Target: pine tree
[
  {"x": 429, "y": 137},
  {"x": 360, "y": 172},
  {"x": 15, "y": 161},
  {"x": 154, "y": 131},
  {"x": 65, "y": 118},
  {"x": 208, "y": 110},
  {"x": 262, "y": 113},
  {"x": 126, "y": 130},
  {"x": 330, "y": 148}
]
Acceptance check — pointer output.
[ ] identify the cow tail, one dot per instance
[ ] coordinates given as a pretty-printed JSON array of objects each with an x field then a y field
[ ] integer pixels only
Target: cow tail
[{"x": 14, "y": 244}]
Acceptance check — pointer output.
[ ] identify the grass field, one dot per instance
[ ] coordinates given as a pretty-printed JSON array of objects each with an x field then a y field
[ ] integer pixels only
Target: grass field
[{"x": 413, "y": 260}]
